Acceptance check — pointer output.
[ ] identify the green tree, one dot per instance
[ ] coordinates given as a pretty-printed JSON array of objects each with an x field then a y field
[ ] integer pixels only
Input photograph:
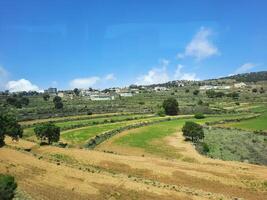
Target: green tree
[
  {"x": 171, "y": 106},
  {"x": 76, "y": 91},
  {"x": 47, "y": 132},
  {"x": 9, "y": 126},
  {"x": 57, "y": 99},
  {"x": 46, "y": 96},
  {"x": 58, "y": 102},
  {"x": 58, "y": 105},
  {"x": 24, "y": 101},
  {"x": 193, "y": 131},
  {"x": 7, "y": 187},
  {"x": 195, "y": 92}
]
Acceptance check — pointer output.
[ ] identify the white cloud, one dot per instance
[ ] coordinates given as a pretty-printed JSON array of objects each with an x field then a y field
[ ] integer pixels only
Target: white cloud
[
  {"x": 156, "y": 75},
  {"x": 84, "y": 82},
  {"x": 110, "y": 77},
  {"x": 245, "y": 68},
  {"x": 21, "y": 85},
  {"x": 200, "y": 47},
  {"x": 3, "y": 78},
  {"x": 179, "y": 75},
  {"x": 92, "y": 81}
]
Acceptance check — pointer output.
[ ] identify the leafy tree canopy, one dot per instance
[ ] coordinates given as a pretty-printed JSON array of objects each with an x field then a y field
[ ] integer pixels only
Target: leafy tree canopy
[
  {"x": 193, "y": 131},
  {"x": 171, "y": 106},
  {"x": 47, "y": 131}
]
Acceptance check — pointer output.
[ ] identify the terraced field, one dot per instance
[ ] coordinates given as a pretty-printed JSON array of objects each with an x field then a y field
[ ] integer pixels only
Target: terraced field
[
  {"x": 151, "y": 162},
  {"x": 259, "y": 123}
]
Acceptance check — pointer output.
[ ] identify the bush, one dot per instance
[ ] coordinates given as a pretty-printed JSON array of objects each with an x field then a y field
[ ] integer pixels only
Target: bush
[
  {"x": 200, "y": 102},
  {"x": 161, "y": 112},
  {"x": 205, "y": 148},
  {"x": 58, "y": 105},
  {"x": 254, "y": 90},
  {"x": 195, "y": 92},
  {"x": 199, "y": 116},
  {"x": 7, "y": 187}
]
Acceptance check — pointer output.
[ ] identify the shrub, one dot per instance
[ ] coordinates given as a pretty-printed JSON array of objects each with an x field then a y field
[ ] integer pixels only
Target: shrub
[
  {"x": 200, "y": 102},
  {"x": 205, "y": 148},
  {"x": 7, "y": 187},
  {"x": 161, "y": 112},
  {"x": 195, "y": 92},
  {"x": 199, "y": 116},
  {"x": 58, "y": 105}
]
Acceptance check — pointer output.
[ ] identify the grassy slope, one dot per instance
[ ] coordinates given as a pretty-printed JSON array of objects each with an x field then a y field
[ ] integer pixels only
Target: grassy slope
[
  {"x": 236, "y": 145},
  {"x": 259, "y": 123},
  {"x": 150, "y": 137},
  {"x": 28, "y": 132}
]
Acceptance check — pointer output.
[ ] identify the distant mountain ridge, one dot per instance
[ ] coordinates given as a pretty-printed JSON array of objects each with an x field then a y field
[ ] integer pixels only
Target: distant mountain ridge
[
  {"x": 246, "y": 77},
  {"x": 249, "y": 77}
]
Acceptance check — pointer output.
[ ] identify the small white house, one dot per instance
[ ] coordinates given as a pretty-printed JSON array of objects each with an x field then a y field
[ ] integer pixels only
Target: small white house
[
  {"x": 214, "y": 87},
  {"x": 60, "y": 94},
  {"x": 158, "y": 88},
  {"x": 126, "y": 94},
  {"x": 101, "y": 97},
  {"x": 240, "y": 85}
]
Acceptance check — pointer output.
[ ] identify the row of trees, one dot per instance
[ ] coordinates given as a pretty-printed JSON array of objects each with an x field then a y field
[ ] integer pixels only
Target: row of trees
[{"x": 18, "y": 102}]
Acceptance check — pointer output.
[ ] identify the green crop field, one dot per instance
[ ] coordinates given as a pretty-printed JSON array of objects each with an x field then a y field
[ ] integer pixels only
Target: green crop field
[
  {"x": 28, "y": 132},
  {"x": 150, "y": 137},
  {"x": 81, "y": 135},
  {"x": 255, "y": 124},
  {"x": 236, "y": 145}
]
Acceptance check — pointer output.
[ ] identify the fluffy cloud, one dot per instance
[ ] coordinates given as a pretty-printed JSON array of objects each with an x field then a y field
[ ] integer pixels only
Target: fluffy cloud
[
  {"x": 91, "y": 81},
  {"x": 200, "y": 47},
  {"x": 3, "y": 78},
  {"x": 179, "y": 75},
  {"x": 84, "y": 82},
  {"x": 21, "y": 85},
  {"x": 156, "y": 75},
  {"x": 110, "y": 77},
  {"x": 245, "y": 68}
]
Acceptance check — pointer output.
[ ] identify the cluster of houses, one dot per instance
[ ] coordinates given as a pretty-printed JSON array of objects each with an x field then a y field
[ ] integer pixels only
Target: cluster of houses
[
  {"x": 222, "y": 87},
  {"x": 95, "y": 95},
  {"x": 112, "y": 93}
]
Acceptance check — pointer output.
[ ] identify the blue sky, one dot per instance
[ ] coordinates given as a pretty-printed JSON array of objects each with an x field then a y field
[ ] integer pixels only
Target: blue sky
[{"x": 105, "y": 43}]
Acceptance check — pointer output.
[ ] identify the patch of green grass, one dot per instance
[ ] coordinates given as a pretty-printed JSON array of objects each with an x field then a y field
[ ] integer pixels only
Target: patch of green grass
[
  {"x": 62, "y": 157},
  {"x": 77, "y": 136},
  {"x": 236, "y": 145},
  {"x": 259, "y": 123},
  {"x": 150, "y": 138},
  {"x": 28, "y": 132}
]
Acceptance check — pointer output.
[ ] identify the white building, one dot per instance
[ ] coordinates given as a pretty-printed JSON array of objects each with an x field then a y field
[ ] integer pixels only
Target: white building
[
  {"x": 60, "y": 94},
  {"x": 160, "y": 88},
  {"x": 101, "y": 97},
  {"x": 126, "y": 94},
  {"x": 214, "y": 87},
  {"x": 240, "y": 85}
]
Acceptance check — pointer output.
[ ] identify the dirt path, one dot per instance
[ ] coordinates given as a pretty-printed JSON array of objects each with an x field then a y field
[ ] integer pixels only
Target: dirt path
[{"x": 186, "y": 148}]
